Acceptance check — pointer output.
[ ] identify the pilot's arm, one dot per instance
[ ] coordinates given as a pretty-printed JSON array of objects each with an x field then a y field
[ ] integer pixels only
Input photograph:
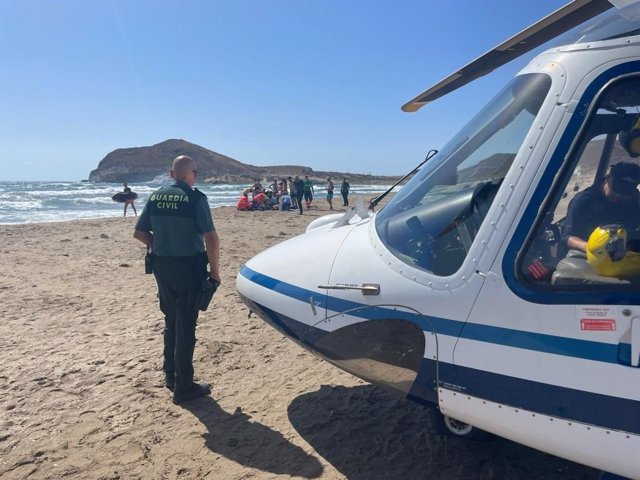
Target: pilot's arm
[
  {"x": 576, "y": 243},
  {"x": 574, "y": 226}
]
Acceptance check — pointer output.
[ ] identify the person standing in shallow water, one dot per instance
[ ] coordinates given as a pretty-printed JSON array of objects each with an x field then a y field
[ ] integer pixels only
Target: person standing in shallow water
[
  {"x": 344, "y": 190},
  {"x": 176, "y": 223},
  {"x": 129, "y": 200}
]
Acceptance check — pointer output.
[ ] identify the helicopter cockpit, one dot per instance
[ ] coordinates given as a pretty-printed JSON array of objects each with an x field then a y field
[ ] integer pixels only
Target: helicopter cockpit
[
  {"x": 433, "y": 220},
  {"x": 546, "y": 260}
]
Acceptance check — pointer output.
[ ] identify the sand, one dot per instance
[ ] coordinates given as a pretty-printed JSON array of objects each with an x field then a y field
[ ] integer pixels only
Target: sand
[{"x": 81, "y": 382}]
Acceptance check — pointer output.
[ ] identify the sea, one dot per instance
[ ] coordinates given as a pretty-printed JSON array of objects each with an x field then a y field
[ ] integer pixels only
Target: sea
[{"x": 38, "y": 202}]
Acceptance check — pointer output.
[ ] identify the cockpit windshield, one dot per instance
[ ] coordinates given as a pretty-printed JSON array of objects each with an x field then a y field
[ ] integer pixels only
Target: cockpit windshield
[{"x": 432, "y": 221}]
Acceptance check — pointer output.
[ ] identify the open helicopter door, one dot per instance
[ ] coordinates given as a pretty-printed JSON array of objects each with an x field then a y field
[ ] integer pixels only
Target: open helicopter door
[{"x": 549, "y": 355}]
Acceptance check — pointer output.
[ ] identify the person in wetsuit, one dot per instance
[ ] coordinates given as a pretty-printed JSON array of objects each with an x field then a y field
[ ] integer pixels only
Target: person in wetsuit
[
  {"x": 344, "y": 190},
  {"x": 298, "y": 184}
]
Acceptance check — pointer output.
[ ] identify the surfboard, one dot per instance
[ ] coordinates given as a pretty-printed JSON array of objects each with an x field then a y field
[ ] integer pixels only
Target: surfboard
[{"x": 122, "y": 197}]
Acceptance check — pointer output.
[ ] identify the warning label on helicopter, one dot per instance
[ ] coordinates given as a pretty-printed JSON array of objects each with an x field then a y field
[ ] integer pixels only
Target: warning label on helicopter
[
  {"x": 598, "y": 318},
  {"x": 606, "y": 325}
]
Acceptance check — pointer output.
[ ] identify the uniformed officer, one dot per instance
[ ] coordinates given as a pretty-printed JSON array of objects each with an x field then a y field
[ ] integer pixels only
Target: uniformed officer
[{"x": 176, "y": 223}]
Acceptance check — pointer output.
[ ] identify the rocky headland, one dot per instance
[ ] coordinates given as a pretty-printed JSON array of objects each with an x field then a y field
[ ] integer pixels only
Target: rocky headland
[{"x": 143, "y": 164}]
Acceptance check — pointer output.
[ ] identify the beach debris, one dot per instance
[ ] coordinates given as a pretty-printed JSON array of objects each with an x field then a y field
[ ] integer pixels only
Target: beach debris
[{"x": 104, "y": 235}]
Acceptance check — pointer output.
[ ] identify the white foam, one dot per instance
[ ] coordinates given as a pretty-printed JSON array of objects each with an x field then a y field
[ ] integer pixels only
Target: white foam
[{"x": 36, "y": 202}]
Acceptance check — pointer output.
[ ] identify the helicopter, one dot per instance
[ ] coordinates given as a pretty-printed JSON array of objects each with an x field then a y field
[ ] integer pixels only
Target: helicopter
[{"x": 462, "y": 292}]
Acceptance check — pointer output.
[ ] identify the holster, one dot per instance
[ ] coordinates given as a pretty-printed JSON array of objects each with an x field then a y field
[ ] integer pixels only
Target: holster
[{"x": 148, "y": 263}]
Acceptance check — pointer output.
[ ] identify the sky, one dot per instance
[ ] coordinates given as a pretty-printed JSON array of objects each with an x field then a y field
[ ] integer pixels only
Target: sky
[{"x": 317, "y": 83}]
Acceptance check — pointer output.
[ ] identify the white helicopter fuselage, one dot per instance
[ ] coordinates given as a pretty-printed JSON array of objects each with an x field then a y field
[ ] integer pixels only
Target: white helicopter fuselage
[{"x": 550, "y": 367}]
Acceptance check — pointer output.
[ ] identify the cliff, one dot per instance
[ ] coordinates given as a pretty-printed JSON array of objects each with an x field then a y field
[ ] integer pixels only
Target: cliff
[{"x": 142, "y": 164}]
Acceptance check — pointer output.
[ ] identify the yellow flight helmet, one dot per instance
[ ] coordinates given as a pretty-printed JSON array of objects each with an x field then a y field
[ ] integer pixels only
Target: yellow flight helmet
[{"x": 607, "y": 252}]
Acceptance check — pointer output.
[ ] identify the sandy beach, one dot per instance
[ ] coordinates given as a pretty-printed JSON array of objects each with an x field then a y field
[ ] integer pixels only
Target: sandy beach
[{"x": 81, "y": 382}]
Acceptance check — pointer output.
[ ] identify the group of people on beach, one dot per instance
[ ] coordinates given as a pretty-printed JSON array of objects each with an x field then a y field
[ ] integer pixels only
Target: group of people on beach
[
  {"x": 287, "y": 194},
  {"x": 284, "y": 194}
]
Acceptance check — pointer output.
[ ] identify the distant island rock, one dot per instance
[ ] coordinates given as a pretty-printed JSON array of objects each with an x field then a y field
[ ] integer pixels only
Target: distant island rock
[{"x": 144, "y": 164}]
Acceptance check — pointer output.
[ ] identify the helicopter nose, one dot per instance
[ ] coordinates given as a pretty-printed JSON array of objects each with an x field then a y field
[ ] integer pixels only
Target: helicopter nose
[{"x": 281, "y": 283}]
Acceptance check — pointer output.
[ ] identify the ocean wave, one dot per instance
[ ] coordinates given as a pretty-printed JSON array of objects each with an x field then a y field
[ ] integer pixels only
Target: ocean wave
[
  {"x": 38, "y": 202},
  {"x": 19, "y": 204}
]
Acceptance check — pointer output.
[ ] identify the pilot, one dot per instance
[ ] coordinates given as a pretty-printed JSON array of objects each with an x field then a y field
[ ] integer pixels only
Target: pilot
[{"x": 616, "y": 200}]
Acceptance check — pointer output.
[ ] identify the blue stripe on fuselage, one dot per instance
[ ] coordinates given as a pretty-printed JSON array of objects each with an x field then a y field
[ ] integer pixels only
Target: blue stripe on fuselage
[
  {"x": 570, "y": 347},
  {"x": 556, "y": 401},
  {"x": 553, "y": 400}
]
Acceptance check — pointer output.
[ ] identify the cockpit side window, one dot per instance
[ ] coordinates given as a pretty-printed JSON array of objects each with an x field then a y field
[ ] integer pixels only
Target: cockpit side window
[
  {"x": 432, "y": 222},
  {"x": 588, "y": 236}
]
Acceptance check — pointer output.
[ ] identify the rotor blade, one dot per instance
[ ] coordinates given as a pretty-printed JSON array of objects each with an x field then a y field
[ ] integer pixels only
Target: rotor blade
[{"x": 551, "y": 26}]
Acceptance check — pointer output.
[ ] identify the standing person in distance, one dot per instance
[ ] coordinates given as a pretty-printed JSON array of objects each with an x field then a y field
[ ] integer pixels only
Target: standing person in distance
[
  {"x": 344, "y": 190},
  {"x": 330, "y": 193},
  {"x": 129, "y": 200},
  {"x": 298, "y": 184},
  {"x": 292, "y": 191},
  {"x": 308, "y": 191},
  {"x": 176, "y": 223}
]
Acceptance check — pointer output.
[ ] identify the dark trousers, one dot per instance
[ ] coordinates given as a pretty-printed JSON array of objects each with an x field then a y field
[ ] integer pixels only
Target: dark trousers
[
  {"x": 179, "y": 285},
  {"x": 308, "y": 196},
  {"x": 345, "y": 198},
  {"x": 299, "y": 196}
]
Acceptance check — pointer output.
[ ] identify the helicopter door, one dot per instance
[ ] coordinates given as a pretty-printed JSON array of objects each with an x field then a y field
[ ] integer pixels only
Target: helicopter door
[
  {"x": 556, "y": 329},
  {"x": 596, "y": 211},
  {"x": 431, "y": 238}
]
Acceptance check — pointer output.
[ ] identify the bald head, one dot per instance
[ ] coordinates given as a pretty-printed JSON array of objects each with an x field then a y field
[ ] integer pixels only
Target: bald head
[{"x": 184, "y": 168}]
